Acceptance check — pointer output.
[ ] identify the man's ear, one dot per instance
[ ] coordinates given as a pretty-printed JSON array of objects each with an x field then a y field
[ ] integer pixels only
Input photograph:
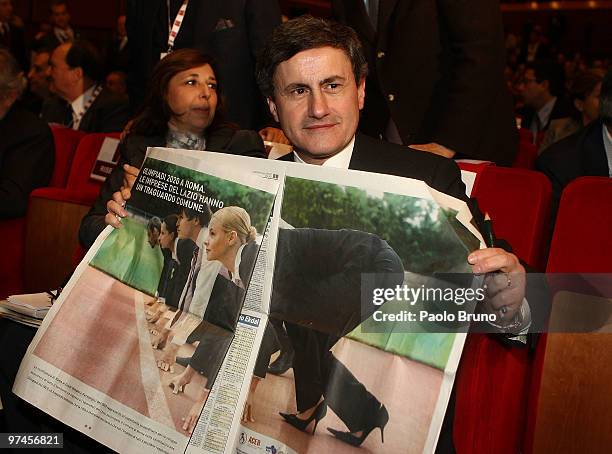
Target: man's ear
[
  {"x": 361, "y": 92},
  {"x": 272, "y": 107},
  {"x": 78, "y": 73}
]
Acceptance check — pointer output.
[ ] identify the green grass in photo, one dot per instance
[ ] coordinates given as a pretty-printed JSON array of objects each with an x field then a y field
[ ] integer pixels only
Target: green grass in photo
[{"x": 127, "y": 256}]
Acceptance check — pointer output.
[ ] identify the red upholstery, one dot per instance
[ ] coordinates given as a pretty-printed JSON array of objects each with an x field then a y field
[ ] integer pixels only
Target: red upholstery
[
  {"x": 477, "y": 168},
  {"x": 526, "y": 156},
  {"x": 582, "y": 241},
  {"x": 84, "y": 161},
  {"x": 581, "y": 244},
  {"x": 518, "y": 202},
  {"x": 12, "y": 259},
  {"x": 66, "y": 142},
  {"x": 492, "y": 379}
]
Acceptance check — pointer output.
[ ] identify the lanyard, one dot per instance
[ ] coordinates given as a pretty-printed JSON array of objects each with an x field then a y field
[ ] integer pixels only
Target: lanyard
[
  {"x": 174, "y": 28},
  {"x": 78, "y": 116}
]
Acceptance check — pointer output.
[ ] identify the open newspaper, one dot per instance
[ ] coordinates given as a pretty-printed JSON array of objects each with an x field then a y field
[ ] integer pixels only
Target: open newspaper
[{"x": 141, "y": 368}]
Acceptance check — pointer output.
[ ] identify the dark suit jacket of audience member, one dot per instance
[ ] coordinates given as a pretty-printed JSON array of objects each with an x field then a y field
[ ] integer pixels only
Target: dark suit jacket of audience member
[
  {"x": 14, "y": 42},
  {"x": 581, "y": 154},
  {"x": 27, "y": 155},
  {"x": 233, "y": 31},
  {"x": 132, "y": 152},
  {"x": 437, "y": 69},
  {"x": 562, "y": 109},
  {"x": 117, "y": 59},
  {"x": 217, "y": 329},
  {"x": 108, "y": 113}
]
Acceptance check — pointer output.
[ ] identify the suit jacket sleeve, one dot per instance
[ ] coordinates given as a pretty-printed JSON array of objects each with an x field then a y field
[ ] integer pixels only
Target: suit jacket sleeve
[
  {"x": 474, "y": 32},
  {"x": 26, "y": 160},
  {"x": 262, "y": 17}
]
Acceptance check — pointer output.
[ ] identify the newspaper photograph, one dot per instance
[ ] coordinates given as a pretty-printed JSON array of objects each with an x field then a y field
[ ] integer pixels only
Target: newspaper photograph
[{"x": 131, "y": 350}]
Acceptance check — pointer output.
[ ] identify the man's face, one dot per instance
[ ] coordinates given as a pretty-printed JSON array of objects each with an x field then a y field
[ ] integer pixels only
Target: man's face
[
  {"x": 37, "y": 76},
  {"x": 317, "y": 102},
  {"x": 62, "y": 77},
  {"x": 60, "y": 16},
  {"x": 121, "y": 32},
  {"x": 188, "y": 228},
  {"x": 153, "y": 236},
  {"x": 6, "y": 10},
  {"x": 116, "y": 83},
  {"x": 531, "y": 90}
]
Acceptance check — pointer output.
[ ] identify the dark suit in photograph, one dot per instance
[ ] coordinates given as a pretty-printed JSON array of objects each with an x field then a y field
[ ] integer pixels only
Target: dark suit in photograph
[
  {"x": 317, "y": 293},
  {"x": 216, "y": 331},
  {"x": 27, "y": 155},
  {"x": 232, "y": 31},
  {"x": 108, "y": 113},
  {"x": 436, "y": 69}
]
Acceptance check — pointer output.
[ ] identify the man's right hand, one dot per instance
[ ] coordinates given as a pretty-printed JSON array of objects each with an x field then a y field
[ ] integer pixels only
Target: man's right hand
[{"x": 115, "y": 206}]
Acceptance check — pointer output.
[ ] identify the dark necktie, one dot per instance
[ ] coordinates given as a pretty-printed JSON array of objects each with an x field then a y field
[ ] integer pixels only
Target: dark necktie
[{"x": 68, "y": 119}]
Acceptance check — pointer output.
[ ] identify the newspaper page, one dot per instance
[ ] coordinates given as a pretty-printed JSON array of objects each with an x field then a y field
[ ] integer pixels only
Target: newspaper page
[
  {"x": 346, "y": 377},
  {"x": 130, "y": 352}
]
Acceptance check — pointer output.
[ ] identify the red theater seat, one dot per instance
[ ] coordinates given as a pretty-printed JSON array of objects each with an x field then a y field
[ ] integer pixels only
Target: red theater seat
[
  {"x": 570, "y": 401},
  {"x": 492, "y": 379},
  {"x": 60, "y": 211}
]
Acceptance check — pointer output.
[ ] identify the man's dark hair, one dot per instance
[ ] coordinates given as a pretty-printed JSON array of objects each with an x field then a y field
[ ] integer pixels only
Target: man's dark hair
[
  {"x": 154, "y": 224},
  {"x": 85, "y": 55},
  {"x": 605, "y": 99},
  {"x": 552, "y": 72},
  {"x": 203, "y": 218},
  {"x": 304, "y": 33},
  {"x": 53, "y": 3}
]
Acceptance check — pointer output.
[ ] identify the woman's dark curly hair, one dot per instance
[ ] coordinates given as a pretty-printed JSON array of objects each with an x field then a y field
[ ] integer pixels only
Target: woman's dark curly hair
[{"x": 155, "y": 114}]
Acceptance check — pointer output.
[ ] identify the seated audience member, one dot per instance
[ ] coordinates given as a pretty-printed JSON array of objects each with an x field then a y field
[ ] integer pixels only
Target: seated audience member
[
  {"x": 12, "y": 36},
  {"x": 38, "y": 82},
  {"x": 82, "y": 103},
  {"x": 183, "y": 110},
  {"x": 312, "y": 73},
  {"x": 542, "y": 93},
  {"x": 585, "y": 153},
  {"x": 584, "y": 95},
  {"x": 116, "y": 82},
  {"x": 26, "y": 144},
  {"x": 60, "y": 31}
]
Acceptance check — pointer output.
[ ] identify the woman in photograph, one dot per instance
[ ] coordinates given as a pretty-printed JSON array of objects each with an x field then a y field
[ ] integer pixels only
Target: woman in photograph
[
  {"x": 184, "y": 110},
  {"x": 231, "y": 241}
]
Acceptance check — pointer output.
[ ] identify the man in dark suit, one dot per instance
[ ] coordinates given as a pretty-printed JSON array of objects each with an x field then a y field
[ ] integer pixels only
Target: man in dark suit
[
  {"x": 587, "y": 152},
  {"x": 542, "y": 90},
  {"x": 26, "y": 147},
  {"x": 12, "y": 37},
  {"x": 312, "y": 73},
  {"x": 82, "y": 103},
  {"x": 233, "y": 31},
  {"x": 61, "y": 31},
  {"x": 435, "y": 78}
]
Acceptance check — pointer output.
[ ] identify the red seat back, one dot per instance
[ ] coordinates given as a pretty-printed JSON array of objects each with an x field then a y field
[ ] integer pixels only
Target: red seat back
[
  {"x": 518, "y": 202},
  {"x": 84, "y": 161},
  {"x": 66, "y": 142}
]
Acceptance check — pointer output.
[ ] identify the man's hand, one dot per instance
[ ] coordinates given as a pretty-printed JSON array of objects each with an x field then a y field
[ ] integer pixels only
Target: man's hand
[
  {"x": 274, "y": 135},
  {"x": 505, "y": 281},
  {"x": 434, "y": 148},
  {"x": 115, "y": 206}
]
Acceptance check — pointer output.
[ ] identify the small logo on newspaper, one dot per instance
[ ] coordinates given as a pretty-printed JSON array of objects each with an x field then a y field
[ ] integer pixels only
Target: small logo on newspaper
[
  {"x": 254, "y": 441},
  {"x": 242, "y": 438},
  {"x": 272, "y": 450}
]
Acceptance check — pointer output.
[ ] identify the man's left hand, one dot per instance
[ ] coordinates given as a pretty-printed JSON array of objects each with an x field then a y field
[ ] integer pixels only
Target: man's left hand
[{"x": 505, "y": 281}]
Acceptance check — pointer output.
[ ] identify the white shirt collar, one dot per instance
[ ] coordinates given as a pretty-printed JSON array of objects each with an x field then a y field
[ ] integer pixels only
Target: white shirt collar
[
  {"x": 607, "y": 139},
  {"x": 78, "y": 105},
  {"x": 545, "y": 111},
  {"x": 340, "y": 160}
]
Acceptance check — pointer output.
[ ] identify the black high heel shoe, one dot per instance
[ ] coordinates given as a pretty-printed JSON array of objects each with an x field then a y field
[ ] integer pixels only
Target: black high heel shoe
[
  {"x": 302, "y": 424},
  {"x": 380, "y": 420}
]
